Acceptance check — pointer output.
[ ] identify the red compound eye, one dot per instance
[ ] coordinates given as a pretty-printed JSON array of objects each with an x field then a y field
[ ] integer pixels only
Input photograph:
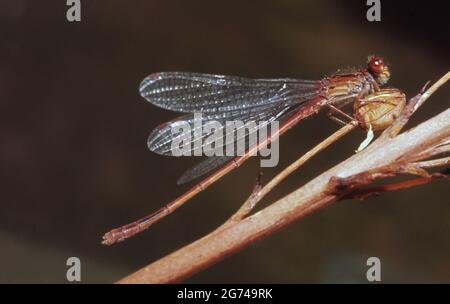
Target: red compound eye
[{"x": 376, "y": 64}]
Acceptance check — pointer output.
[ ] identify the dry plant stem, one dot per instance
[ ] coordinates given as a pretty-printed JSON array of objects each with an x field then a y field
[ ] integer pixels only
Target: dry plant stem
[
  {"x": 432, "y": 151},
  {"x": 259, "y": 192},
  {"x": 249, "y": 204},
  {"x": 383, "y": 153},
  {"x": 440, "y": 162},
  {"x": 413, "y": 105},
  {"x": 362, "y": 194},
  {"x": 426, "y": 178}
]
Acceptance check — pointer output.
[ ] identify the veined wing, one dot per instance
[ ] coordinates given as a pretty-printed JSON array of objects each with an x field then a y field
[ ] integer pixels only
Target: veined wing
[
  {"x": 190, "y": 130},
  {"x": 203, "y": 167},
  {"x": 214, "y": 162},
  {"x": 205, "y": 93}
]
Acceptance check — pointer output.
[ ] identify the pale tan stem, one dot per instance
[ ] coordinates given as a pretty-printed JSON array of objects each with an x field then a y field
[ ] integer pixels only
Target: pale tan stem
[{"x": 440, "y": 162}]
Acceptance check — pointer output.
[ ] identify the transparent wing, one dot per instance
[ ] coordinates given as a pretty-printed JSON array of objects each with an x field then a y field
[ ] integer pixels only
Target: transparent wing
[
  {"x": 212, "y": 163},
  {"x": 192, "y": 134},
  {"x": 203, "y": 167},
  {"x": 194, "y": 92}
]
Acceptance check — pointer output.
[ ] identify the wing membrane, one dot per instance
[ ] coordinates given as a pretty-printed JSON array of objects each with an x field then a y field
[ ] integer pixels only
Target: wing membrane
[
  {"x": 211, "y": 163},
  {"x": 221, "y": 99},
  {"x": 203, "y": 167},
  {"x": 194, "y": 92},
  {"x": 162, "y": 139}
]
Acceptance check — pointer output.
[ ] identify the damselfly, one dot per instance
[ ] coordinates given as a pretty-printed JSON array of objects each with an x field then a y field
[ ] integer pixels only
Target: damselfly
[{"x": 221, "y": 98}]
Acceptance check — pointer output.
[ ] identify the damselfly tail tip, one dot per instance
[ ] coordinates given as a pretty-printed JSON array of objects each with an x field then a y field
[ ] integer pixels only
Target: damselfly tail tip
[
  {"x": 108, "y": 239},
  {"x": 115, "y": 236}
]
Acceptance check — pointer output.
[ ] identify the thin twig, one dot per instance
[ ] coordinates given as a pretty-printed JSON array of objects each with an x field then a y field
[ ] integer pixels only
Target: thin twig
[
  {"x": 415, "y": 102},
  {"x": 260, "y": 192},
  {"x": 440, "y": 162},
  {"x": 249, "y": 204},
  {"x": 363, "y": 194},
  {"x": 431, "y": 151}
]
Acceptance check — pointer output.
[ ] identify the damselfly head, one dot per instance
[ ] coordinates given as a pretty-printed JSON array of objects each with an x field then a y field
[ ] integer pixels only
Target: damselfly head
[{"x": 379, "y": 70}]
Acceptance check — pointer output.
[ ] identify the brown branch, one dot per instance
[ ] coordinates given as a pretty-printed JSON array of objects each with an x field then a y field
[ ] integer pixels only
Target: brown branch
[
  {"x": 445, "y": 161},
  {"x": 389, "y": 155},
  {"x": 362, "y": 194},
  {"x": 260, "y": 192}
]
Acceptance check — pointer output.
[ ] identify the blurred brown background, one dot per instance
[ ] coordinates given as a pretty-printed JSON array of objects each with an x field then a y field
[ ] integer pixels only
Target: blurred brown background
[{"x": 74, "y": 161}]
